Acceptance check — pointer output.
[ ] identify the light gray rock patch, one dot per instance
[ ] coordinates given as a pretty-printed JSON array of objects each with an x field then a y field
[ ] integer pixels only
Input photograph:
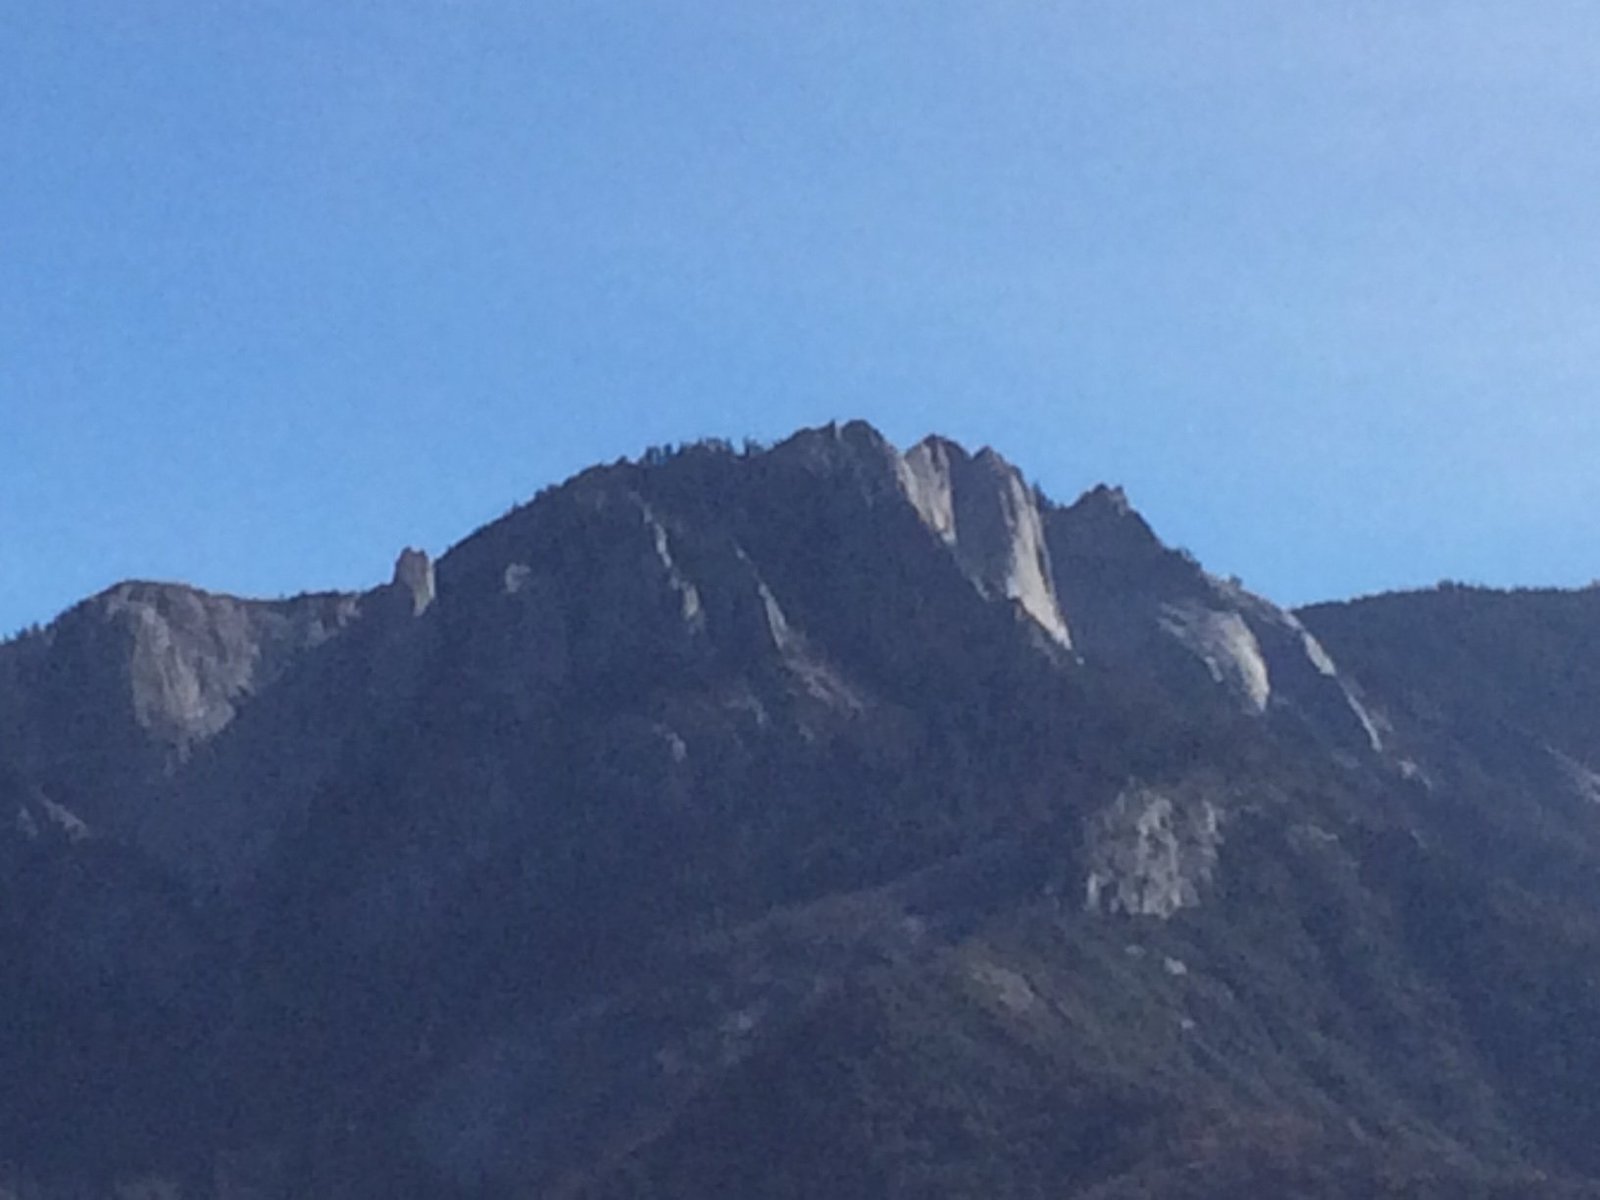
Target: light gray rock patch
[
  {"x": 983, "y": 510},
  {"x": 1151, "y": 853},
  {"x": 1226, "y": 645},
  {"x": 413, "y": 573},
  {"x": 1585, "y": 783},
  {"x": 1009, "y": 988}
]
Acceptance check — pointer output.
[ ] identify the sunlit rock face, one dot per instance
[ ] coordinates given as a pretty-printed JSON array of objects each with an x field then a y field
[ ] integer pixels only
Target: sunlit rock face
[
  {"x": 1151, "y": 853},
  {"x": 1224, "y": 642},
  {"x": 106, "y": 704},
  {"x": 984, "y": 510},
  {"x": 1141, "y": 607},
  {"x": 413, "y": 574},
  {"x": 194, "y": 657}
]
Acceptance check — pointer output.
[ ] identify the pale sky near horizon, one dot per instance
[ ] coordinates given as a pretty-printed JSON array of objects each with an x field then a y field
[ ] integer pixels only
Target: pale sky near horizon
[{"x": 287, "y": 286}]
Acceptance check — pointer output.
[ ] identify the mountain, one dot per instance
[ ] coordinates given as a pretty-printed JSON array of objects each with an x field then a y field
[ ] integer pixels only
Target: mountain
[{"x": 821, "y": 820}]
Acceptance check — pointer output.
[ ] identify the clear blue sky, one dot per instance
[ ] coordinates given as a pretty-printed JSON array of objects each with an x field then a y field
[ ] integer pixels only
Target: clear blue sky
[{"x": 285, "y": 286}]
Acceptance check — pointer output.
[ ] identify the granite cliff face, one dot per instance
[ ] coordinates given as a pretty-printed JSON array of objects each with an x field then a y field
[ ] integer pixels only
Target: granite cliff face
[
  {"x": 816, "y": 820},
  {"x": 1149, "y": 610},
  {"x": 980, "y": 506},
  {"x": 117, "y": 694}
]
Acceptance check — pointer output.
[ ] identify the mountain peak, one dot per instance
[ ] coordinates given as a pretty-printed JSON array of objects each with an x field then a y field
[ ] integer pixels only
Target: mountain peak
[
  {"x": 980, "y": 506},
  {"x": 1106, "y": 511},
  {"x": 413, "y": 574},
  {"x": 1107, "y": 497},
  {"x": 854, "y": 445}
]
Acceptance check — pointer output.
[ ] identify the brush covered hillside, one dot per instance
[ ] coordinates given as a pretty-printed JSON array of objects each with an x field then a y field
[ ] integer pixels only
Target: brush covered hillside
[{"x": 822, "y": 821}]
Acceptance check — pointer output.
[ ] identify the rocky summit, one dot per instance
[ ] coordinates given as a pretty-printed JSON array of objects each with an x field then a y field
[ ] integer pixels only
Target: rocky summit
[{"x": 810, "y": 821}]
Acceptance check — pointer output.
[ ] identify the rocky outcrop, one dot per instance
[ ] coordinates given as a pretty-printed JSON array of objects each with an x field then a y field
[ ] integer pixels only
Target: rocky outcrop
[
  {"x": 980, "y": 506},
  {"x": 1151, "y": 853},
  {"x": 109, "y": 702},
  {"x": 413, "y": 575},
  {"x": 192, "y": 657},
  {"x": 1140, "y": 607}
]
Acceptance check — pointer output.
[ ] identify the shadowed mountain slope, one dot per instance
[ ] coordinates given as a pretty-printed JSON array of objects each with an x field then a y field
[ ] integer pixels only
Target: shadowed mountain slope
[{"x": 820, "y": 820}]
